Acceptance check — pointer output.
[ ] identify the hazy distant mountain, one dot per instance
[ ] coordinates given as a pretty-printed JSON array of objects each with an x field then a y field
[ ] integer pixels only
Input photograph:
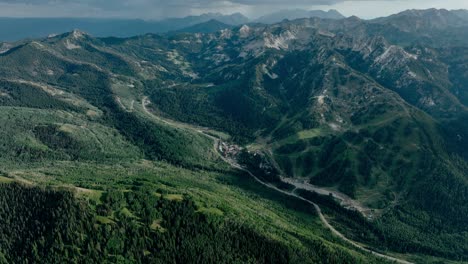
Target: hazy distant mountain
[
  {"x": 292, "y": 14},
  {"x": 19, "y": 28},
  {"x": 462, "y": 13},
  {"x": 233, "y": 19},
  {"x": 436, "y": 27},
  {"x": 179, "y": 23},
  {"x": 205, "y": 27},
  {"x": 416, "y": 20}
]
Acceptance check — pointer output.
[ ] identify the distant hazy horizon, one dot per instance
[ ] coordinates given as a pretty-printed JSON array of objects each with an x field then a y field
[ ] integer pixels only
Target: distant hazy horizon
[{"x": 157, "y": 9}]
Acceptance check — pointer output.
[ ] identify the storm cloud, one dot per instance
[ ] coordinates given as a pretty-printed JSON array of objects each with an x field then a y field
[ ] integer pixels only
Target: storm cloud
[{"x": 142, "y": 8}]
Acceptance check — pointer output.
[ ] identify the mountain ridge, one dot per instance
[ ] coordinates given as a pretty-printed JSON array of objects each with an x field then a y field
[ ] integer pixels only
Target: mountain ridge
[
  {"x": 210, "y": 26},
  {"x": 292, "y": 14},
  {"x": 20, "y": 28}
]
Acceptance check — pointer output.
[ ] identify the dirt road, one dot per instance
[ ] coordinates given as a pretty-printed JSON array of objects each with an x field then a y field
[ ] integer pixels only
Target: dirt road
[{"x": 319, "y": 212}]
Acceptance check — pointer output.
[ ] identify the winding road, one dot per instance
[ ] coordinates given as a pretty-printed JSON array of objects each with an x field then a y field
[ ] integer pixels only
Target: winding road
[
  {"x": 319, "y": 212},
  {"x": 145, "y": 102}
]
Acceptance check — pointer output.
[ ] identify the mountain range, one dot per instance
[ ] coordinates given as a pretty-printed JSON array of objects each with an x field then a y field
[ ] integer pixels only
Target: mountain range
[
  {"x": 292, "y": 14},
  {"x": 21, "y": 28},
  {"x": 312, "y": 140}
]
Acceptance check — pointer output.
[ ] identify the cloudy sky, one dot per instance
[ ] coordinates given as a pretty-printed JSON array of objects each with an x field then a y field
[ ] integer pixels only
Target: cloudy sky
[{"x": 157, "y": 9}]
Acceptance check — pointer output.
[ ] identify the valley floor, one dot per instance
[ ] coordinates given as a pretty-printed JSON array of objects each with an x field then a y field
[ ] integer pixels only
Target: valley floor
[{"x": 345, "y": 201}]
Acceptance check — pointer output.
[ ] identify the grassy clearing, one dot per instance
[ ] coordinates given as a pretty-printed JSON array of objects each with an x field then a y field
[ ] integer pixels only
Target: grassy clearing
[
  {"x": 174, "y": 197},
  {"x": 306, "y": 134},
  {"x": 5, "y": 179},
  {"x": 156, "y": 225},
  {"x": 21, "y": 135},
  {"x": 127, "y": 213},
  {"x": 104, "y": 220},
  {"x": 212, "y": 211}
]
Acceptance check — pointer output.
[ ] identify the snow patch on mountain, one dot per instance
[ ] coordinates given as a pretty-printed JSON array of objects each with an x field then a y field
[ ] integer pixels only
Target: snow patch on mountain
[
  {"x": 77, "y": 34},
  {"x": 255, "y": 48},
  {"x": 38, "y": 44},
  {"x": 427, "y": 101},
  {"x": 244, "y": 31},
  {"x": 278, "y": 42},
  {"x": 412, "y": 74},
  {"x": 243, "y": 54},
  {"x": 226, "y": 34},
  {"x": 71, "y": 46},
  {"x": 326, "y": 33},
  {"x": 334, "y": 127},
  {"x": 265, "y": 71},
  {"x": 183, "y": 41},
  {"x": 160, "y": 68},
  {"x": 4, "y": 48},
  {"x": 394, "y": 52},
  {"x": 321, "y": 99},
  {"x": 220, "y": 58}
]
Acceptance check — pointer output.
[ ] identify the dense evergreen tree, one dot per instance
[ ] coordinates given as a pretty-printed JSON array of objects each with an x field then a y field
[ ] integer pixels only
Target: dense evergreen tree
[{"x": 50, "y": 226}]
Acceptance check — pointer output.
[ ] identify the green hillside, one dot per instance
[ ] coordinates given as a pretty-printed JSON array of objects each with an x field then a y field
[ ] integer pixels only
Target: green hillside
[
  {"x": 110, "y": 181},
  {"x": 118, "y": 144}
]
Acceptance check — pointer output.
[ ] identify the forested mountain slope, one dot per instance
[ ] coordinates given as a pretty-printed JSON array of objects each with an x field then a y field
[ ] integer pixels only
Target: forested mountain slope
[
  {"x": 117, "y": 184},
  {"x": 366, "y": 109}
]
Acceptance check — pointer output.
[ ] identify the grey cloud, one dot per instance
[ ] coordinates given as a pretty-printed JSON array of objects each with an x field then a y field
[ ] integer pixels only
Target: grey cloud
[
  {"x": 165, "y": 8},
  {"x": 151, "y": 8},
  {"x": 172, "y": 3}
]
